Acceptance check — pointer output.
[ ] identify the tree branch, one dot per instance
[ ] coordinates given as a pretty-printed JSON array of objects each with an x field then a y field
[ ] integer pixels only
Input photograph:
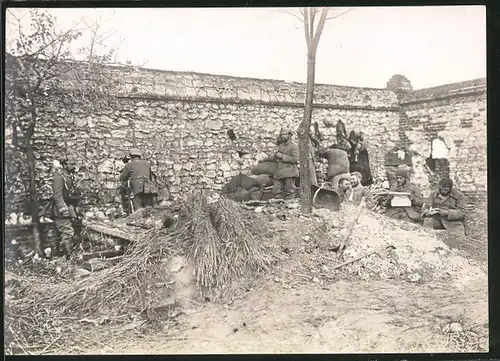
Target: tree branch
[
  {"x": 292, "y": 14},
  {"x": 319, "y": 29},
  {"x": 306, "y": 28},
  {"x": 339, "y": 14},
  {"x": 312, "y": 15}
]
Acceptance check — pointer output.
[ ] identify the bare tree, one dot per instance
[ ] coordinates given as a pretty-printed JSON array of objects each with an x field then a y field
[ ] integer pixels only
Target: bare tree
[
  {"x": 313, "y": 20},
  {"x": 40, "y": 61}
]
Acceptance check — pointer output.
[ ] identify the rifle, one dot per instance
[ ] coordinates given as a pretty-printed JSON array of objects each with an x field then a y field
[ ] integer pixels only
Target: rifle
[{"x": 129, "y": 197}]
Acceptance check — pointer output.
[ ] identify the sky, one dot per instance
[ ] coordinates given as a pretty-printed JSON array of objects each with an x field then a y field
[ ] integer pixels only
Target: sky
[{"x": 365, "y": 47}]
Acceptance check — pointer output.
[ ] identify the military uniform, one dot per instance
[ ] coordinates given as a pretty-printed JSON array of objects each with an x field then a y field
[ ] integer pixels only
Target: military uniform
[
  {"x": 358, "y": 192},
  {"x": 138, "y": 171},
  {"x": 287, "y": 170},
  {"x": 125, "y": 191},
  {"x": 63, "y": 209},
  {"x": 456, "y": 204},
  {"x": 285, "y": 176},
  {"x": 411, "y": 213}
]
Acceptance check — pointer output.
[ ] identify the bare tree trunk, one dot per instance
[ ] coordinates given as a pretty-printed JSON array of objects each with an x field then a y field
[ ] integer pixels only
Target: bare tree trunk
[
  {"x": 304, "y": 138},
  {"x": 30, "y": 159}
]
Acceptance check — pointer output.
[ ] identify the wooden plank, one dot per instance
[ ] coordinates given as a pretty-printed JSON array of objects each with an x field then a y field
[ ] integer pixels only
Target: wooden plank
[{"x": 110, "y": 231}]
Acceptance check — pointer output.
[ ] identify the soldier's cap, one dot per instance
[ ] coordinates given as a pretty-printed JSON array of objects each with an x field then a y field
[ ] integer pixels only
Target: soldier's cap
[
  {"x": 286, "y": 131},
  {"x": 446, "y": 182},
  {"x": 134, "y": 152}
]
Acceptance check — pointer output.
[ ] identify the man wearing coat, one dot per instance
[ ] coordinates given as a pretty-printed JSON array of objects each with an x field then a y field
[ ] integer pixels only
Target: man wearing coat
[
  {"x": 64, "y": 204},
  {"x": 403, "y": 184},
  {"x": 138, "y": 171},
  {"x": 287, "y": 158},
  {"x": 125, "y": 190},
  {"x": 446, "y": 208},
  {"x": 359, "y": 192}
]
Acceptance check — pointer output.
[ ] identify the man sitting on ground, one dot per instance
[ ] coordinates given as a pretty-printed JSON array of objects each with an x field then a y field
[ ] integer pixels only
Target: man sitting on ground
[
  {"x": 358, "y": 191},
  {"x": 403, "y": 185},
  {"x": 345, "y": 190},
  {"x": 446, "y": 208}
]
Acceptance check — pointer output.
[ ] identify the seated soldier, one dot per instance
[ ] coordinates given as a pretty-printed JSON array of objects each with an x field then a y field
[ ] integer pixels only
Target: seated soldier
[
  {"x": 344, "y": 190},
  {"x": 358, "y": 191},
  {"x": 411, "y": 213},
  {"x": 287, "y": 159},
  {"x": 446, "y": 208}
]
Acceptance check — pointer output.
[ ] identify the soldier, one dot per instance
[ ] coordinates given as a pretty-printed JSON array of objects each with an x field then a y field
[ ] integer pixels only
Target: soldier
[
  {"x": 125, "y": 190},
  {"x": 287, "y": 158},
  {"x": 64, "y": 202},
  {"x": 359, "y": 191},
  {"x": 446, "y": 209},
  {"x": 138, "y": 171},
  {"x": 402, "y": 184},
  {"x": 345, "y": 190}
]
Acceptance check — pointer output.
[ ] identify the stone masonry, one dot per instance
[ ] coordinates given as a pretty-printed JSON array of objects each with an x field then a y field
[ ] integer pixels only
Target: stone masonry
[{"x": 182, "y": 120}]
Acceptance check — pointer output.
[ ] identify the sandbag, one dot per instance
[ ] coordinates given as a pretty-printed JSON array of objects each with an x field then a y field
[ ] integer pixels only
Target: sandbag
[
  {"x": 262, "y": 179},
  {"x": 267, "y": 168},
  {"x": 243, "y": 195},
  {"x": 338, "y": 162},
  {"x": 240, "y": 181}
]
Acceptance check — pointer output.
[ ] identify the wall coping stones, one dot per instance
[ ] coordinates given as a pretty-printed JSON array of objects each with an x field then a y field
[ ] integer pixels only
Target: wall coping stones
[{"x": 442, "y": 92}]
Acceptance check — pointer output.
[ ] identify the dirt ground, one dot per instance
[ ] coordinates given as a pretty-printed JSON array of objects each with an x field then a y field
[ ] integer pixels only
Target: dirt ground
[
  {"x": 342, "y": 317},
  {"x": 303, "y": 305},
  {"x": 298, "y": 309}
]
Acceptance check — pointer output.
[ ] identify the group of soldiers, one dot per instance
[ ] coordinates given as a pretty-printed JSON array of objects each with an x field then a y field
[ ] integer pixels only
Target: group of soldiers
[
  {"x": 138, "y": 190},
  {"x": 445, "y": 208}
]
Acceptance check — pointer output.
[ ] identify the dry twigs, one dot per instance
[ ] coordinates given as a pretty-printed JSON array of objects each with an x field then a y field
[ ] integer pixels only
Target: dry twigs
[{"x": 221, "y": 243}]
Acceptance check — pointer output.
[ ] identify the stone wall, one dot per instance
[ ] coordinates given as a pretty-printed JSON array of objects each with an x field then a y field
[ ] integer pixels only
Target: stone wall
[
  {"x": 181, "y": 122},
  {"x": 455, "y": 114}
]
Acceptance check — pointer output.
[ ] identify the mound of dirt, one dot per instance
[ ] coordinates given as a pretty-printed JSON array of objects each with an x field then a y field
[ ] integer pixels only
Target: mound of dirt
[
  {"x": 308, "y": 248},
  {"x": 419, "y": 255}
]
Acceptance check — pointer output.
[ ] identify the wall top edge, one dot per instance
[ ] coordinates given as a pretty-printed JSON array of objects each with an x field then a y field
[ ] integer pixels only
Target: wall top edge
[{"x": 469, "y": 86}]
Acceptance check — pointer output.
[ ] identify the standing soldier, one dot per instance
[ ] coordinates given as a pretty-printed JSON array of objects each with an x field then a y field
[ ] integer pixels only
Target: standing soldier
[
  {"x": 125, "y": 191},
  {"x": 138, "y": 171},
  {"x": 64, "y": 202},
  {"x": 287, "y": 158}
]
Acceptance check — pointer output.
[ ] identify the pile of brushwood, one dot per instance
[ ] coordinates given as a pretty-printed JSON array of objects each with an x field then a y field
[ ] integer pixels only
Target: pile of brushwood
[{"x": 213, "y": 235}]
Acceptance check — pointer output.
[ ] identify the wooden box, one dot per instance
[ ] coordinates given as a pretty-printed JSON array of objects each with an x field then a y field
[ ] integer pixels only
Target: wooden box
[{"x": 400, "y": 201}]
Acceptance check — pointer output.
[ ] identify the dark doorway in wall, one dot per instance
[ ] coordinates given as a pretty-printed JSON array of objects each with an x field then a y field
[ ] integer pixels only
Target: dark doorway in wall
[{"x": 438, "y": 162}]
